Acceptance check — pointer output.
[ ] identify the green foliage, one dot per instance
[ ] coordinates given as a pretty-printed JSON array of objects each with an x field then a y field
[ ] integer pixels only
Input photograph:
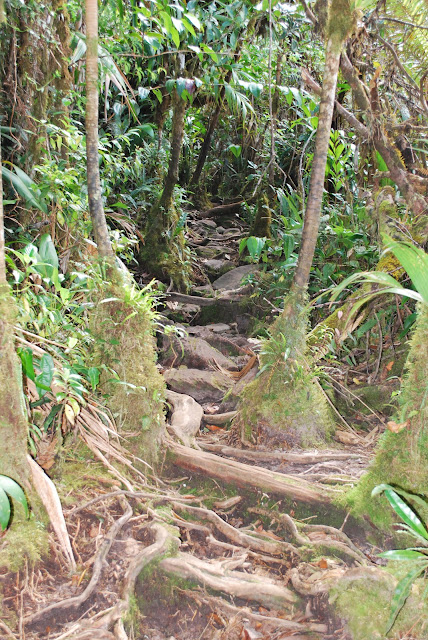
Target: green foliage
[
  {"x": 9, "y": 487},
  {"x": 416, "y": 558}
]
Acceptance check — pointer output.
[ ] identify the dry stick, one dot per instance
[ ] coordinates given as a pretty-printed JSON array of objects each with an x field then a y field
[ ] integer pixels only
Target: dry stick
[
  {"x": 128, "y": 494},
  {"x": 276, "y": 456},
  {"x": 5, "y": 628},
  {"x": 276, "y": 547},
  {"x": 244, "y": 475},
  {"x": 103, "y": 550}
]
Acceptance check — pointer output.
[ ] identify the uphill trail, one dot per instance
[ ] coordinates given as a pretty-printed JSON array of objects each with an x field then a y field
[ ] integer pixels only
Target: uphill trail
[{"x": 236, "y": 540}]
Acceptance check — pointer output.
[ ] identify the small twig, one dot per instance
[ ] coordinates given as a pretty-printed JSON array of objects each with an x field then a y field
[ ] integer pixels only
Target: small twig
[{"x": 9, "y": 632}]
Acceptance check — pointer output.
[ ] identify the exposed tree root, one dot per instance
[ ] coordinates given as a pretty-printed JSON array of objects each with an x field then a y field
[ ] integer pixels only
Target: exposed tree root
[
  {"x": 75, "y": 602},
  {"x": 246, "y": 613},
  {"x": 245, "y": 540},
  {"x": 216, "y": 576},
  {"x": 244, "y": 475},
  {"x": 317, "y": 536}
]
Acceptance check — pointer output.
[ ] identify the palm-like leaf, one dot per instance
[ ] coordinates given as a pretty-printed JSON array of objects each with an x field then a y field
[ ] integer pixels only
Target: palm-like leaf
[{"x": 413, "y": 40}]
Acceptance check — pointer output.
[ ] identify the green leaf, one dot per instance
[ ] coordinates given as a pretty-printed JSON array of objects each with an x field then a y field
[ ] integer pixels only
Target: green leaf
[
  {"x": 48, "y": 256},
  {"x": 403, "y": 554},
  {"x": 235, "y": 149},
  {"x": 288, "y": 245},
  {"x": 4, "y": 510},
  {"x": 414, "y": 261},
  {"x": 401, "y": 593},
  {"x": 94, "y": 377},
  {"x": 402, "y": 509},
  {"x": 13, "y": 489},
  {"x": 23, "y": 189},
  {"x": 181, "y": 86},
  {"x": 26, "y": 356},
  {"x": 44, "y": 379},
  {"x": 255, "y": 246}
]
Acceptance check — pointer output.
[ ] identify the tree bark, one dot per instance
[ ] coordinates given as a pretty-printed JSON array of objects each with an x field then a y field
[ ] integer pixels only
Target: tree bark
[
  {"x": 2, "y": 249},
  {"x": 96, "y": 208},
  {"x": 177, "y": 135},
  {"x": 316, "y": 189},
  {"x": 203, "y": 153},
  {"x": 13, "y": 417}
]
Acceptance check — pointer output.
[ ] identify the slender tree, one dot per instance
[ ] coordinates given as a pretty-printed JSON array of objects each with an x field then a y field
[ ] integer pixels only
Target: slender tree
[
  {"x": 339, "y": 24},
  {"x": 96, "y": 208},
  {"x": 286, "y": 397}
]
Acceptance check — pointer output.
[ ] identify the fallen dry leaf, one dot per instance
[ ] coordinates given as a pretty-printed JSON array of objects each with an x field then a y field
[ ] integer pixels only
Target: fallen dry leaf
[{"x": 396, "y": 428}]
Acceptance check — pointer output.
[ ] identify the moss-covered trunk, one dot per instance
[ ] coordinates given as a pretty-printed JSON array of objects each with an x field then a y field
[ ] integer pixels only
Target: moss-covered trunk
[
  {"x": 13, "y": 418},
  {"x": 402, "y": 458},
  {"x": 164, "y": 250},
  {"x": 122, "y": 326}
]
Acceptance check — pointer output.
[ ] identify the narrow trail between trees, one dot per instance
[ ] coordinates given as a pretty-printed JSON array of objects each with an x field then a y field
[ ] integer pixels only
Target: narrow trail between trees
[{"x": 236, "y": 542}]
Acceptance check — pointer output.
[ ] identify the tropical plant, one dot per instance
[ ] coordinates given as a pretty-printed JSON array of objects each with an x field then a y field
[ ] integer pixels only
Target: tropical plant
[
  {"x": 10, "y": 488},
  {"x": 416, "y": 558},
  {"x": 414, "y": 261}
]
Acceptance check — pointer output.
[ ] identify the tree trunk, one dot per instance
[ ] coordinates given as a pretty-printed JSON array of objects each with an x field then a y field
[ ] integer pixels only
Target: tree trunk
[
  {"x": 316, "y": 189},
  {"x": 160, "y": 216},
  {"x": 13, "y": 418},
  {"x": 203, "y": 153},
  {"x": 177, "y": 135},
  {"x": 96, "y": 208}
]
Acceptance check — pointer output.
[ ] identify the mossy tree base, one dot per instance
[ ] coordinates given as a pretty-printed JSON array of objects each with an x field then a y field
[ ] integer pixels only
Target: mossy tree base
[
  {"x": 402, "y": 458},
  {"x": 125, "y": 344},
  {"x": 13, "y": 414},
  {"x": 285, "y": 405}
]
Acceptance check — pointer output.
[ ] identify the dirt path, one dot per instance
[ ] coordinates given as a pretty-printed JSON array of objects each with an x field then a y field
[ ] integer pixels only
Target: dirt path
[{"x": 234, "y": 542}]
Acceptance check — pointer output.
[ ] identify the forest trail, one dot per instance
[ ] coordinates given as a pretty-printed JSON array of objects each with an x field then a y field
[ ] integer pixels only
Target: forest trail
[{"x": 241, "y": 547}]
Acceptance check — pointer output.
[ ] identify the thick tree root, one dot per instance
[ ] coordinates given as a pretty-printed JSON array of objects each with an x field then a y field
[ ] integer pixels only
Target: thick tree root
[
  {"x": 268, "y": 622},
  {"x": 318, "y": 537},
  {"x": 216, "y": 576},
  {"x": 243, "y": 475}
]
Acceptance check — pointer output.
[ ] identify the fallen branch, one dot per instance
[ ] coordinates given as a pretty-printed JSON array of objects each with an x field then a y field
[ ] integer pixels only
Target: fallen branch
[
  {"x": 274, "y": 456},
  {"x": 219, "y": 418},
  {"x": 221, "y": 210},
  {"x": 243, "y": 475},
  {"x": 199, "y": 301}
]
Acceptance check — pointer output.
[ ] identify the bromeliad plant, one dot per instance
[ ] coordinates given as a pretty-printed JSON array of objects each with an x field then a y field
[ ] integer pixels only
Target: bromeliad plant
[{"x": 415, "y": 557}]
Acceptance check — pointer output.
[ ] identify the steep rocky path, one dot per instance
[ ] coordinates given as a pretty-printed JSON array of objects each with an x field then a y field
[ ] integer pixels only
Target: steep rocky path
[{"x": 234, "y": 541}]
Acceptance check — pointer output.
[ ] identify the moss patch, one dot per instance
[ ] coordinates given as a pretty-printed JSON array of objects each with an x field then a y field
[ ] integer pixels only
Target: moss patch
[
  {"x": 285, "y": 406},
  {"x": 25, "y": 541},
  {"x": 122, "y": 324},
  {"x": 364, "y": 605}
]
